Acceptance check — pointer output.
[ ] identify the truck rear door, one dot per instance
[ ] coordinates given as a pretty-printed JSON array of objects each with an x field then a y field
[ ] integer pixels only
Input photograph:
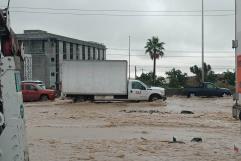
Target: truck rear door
[{"x": 137, "y": 91}]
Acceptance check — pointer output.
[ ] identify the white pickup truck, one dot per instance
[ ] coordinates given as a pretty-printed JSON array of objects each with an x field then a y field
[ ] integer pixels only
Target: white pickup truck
[{"x": 104, "y": 80}]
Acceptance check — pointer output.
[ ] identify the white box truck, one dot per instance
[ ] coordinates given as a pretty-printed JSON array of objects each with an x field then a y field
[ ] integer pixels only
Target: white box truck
[{"x": 104, "y": 80}]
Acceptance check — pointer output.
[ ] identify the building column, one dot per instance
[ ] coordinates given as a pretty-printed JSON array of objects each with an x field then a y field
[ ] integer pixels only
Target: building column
[
  {"x": 80, "y": 52},
  {"x": 74, "y": 51},
  {"x": 86, "y": 52},
  {"x": 67, "y": 51}
]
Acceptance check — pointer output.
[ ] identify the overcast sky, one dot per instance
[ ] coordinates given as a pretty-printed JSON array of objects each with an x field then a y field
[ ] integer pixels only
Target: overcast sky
[{"x": 182, "y": 34}]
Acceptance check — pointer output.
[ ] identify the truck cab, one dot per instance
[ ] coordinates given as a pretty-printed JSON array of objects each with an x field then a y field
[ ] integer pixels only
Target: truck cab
[{"x": 137, "y": 90}]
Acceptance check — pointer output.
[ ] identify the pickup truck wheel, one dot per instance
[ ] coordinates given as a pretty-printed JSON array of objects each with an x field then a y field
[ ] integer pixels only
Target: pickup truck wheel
[
  {"x": 154, "y": 97},
  {"x": 191, "y": 94},
  {"x": 44, "y": 98},
  {"x": 224, "y": 94}
]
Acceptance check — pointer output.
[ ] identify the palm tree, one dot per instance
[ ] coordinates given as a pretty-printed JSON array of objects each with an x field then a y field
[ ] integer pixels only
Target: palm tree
[{"x": 155, "y": 49}]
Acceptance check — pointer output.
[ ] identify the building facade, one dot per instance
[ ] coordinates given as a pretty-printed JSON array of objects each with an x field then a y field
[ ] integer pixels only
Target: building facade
[{"x": 48, "y": 52}]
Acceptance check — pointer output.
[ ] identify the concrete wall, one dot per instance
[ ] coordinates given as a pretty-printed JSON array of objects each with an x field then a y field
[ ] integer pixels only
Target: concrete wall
[{"x": 40, "y": 68}]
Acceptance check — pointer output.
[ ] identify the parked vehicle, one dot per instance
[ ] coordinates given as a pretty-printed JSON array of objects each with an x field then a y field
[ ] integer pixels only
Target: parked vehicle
[
  {"x": 207, "y": 89},
  {"x": 40, "y": 83},
  {"x": 104, "y": 80},
  {"x": 33, "y": 92}
]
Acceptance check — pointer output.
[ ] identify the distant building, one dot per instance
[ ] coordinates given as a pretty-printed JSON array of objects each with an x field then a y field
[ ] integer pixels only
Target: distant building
[{"x": 48, "y": 52}]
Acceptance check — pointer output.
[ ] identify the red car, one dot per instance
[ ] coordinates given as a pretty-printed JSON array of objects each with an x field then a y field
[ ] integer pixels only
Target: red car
[{"x": 33, "y": 92}]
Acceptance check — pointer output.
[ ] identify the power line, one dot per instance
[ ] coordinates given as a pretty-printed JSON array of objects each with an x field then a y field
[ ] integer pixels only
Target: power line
[
  {"x": 119, "y": 15},
  {"x": 172, "y": 56},
  {"x": 165, "y": 66},
  {"x": 176, "y": 51},
  {"x": 115, "y": 10}
]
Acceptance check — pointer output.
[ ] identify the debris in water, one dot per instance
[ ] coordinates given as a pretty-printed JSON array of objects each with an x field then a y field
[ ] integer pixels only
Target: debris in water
[
  {"x": 144, "y": 139},
  {"x": 145, "y": 111},
  {"x": 198, "y": 140},
  {"x": 174, "y": 140},
  {"x": 187, "y": 112},
  {"x": 236, "y": 149}
]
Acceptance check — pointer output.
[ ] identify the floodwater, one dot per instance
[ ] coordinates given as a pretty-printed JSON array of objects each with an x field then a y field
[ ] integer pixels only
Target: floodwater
[{"x": 124, "y": 131}]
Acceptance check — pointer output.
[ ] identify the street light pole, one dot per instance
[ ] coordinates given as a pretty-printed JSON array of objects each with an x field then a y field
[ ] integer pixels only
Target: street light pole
[
  {"x": 203, "y": 72},
  {"x": 129, "y": 57},
  {"x": 236, "y": 56}
]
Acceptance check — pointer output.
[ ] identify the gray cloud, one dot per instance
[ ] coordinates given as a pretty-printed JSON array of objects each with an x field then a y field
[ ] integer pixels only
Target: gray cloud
[{"x": 179, "y": 33}]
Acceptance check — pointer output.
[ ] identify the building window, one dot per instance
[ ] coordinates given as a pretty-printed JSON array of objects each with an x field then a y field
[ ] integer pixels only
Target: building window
[
  {"x": 88, "y": 53},
  {"x": 77, "y": 52},
  {"x": 83, "y": 52},
  {"x": 52, "y": 60},
  {"x": 52, "y": 74},
  {"x": 64, "y": 47},
  {"x": 98, "y": 54},
  {"x": 43, "y": 46},
  {"x": 93, "y": 53},
  {"x": 71, "y": 51},
  {"x": 64, "y": 51}
]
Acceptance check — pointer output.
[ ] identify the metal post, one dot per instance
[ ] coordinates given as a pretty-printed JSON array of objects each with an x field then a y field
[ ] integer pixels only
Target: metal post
[
  {"x": 203, "y": 74},
  {"x": 135, "y": 73},
  {"x": 129, "y": 57},
  {"x": 8, "y": 4},
  {"x": 236, "y": 55}
]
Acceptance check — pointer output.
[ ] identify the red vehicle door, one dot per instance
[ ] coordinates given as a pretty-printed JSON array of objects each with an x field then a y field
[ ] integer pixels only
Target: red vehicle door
[
  {"x": 30, "y": 93},
  {"x": 24, "y": 93}
]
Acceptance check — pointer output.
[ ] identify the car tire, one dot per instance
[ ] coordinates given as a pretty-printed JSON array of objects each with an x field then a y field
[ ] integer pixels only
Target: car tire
[
  {"x": 154, "y": 97},
  {"x": 44, "y": 98}
]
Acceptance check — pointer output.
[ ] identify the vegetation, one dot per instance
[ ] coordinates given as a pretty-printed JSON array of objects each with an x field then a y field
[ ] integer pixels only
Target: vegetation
[
  {"x": 229, "y": 77},
  {"x": 147, "y": 78},
  {"x": 155, "y": 49},
  {"x": 208, "y": 73},
  {"x": 176, "y": 78}
]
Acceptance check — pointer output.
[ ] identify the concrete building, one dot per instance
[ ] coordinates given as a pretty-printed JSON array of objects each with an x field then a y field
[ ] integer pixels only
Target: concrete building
[{"x": 48, "y": 52}]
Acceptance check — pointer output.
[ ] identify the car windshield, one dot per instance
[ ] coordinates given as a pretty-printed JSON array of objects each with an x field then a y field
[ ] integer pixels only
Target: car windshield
[
  {"x": 42, "y": 86},
  {"x": 38, "y": 87}
]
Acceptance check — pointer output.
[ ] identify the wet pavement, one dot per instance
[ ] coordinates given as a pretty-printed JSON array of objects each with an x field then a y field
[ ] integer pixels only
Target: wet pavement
[{"x": 63, "y": 131}]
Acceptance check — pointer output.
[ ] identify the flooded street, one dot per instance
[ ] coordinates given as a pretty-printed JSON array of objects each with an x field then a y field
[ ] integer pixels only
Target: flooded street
[{"x": 122, "y": 131}]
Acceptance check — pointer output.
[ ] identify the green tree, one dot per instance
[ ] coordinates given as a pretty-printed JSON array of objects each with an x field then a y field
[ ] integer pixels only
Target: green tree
[
  {"x": 208, "y": 73},
  {"x": 229, "y": 77},
  {"x": 147, "y": 78},
  {"x": 176, "y": 78},
  {"x": 156, "y": 50}
]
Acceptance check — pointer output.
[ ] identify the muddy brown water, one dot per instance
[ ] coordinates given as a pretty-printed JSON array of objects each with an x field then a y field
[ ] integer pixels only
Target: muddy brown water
[{"x": 63, "y": 131}]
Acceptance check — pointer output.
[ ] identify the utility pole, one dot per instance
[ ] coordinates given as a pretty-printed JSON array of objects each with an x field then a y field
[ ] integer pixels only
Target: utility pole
[
  {"x": 235, "y": 45},
  {"x": 142, "y": 71},
  {"x": 135, "y": 73},
  {"x": 129, "y": 57},
  {"x": 203, "y": 72}
]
